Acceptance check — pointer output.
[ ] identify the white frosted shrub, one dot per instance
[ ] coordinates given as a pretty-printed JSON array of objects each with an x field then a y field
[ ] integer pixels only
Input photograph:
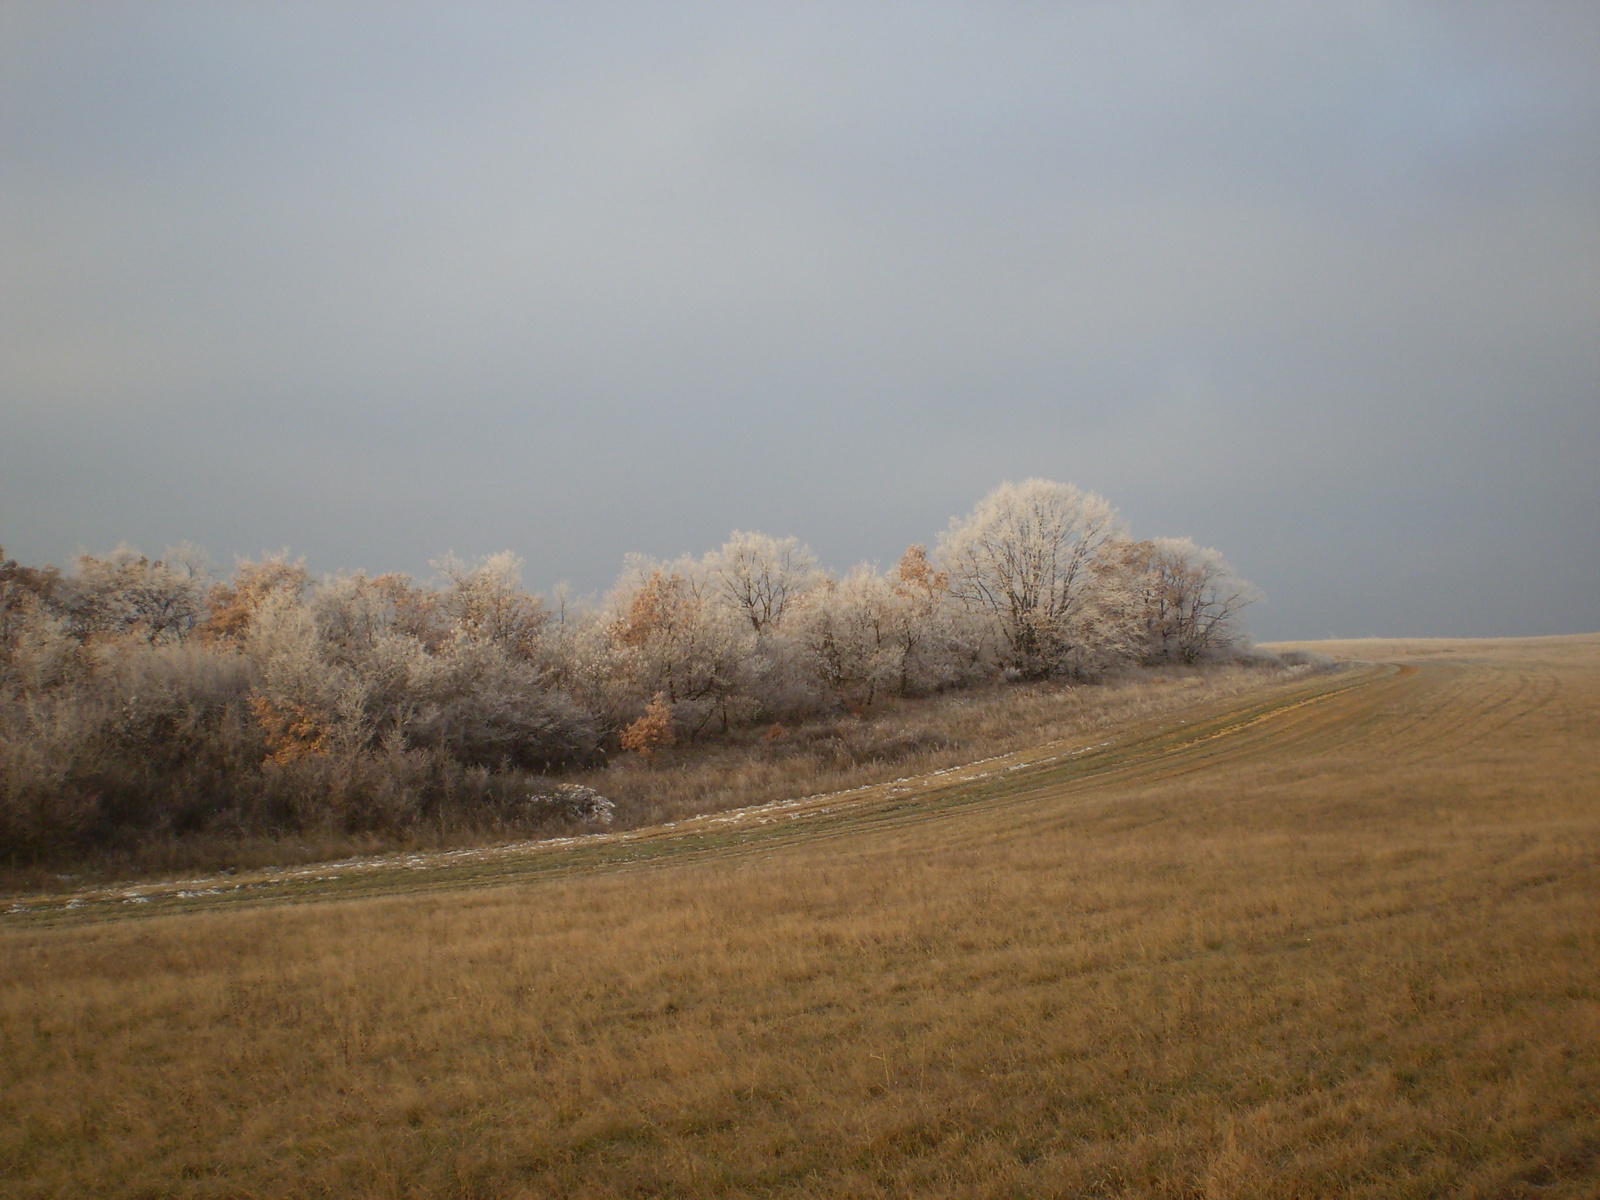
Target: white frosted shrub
[
  {"x": 38, "y": 651},
  {"x": 305, "y": 704},
  {"x": 484, "y": 707}
]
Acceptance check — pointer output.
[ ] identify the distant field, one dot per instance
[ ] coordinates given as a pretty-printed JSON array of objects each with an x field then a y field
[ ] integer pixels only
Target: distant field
[{"x": 1339, "y": 936}]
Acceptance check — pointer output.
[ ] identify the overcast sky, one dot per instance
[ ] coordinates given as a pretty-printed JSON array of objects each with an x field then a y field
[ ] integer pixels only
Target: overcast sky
[{"x": 1316, "y": 284}]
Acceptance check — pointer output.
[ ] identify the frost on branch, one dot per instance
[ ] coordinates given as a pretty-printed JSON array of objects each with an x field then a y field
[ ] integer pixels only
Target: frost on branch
[
  {"x": 1187, "y": 600},
  {"x": 761, "y": 576},
  {"x": 1023, "y": 560}
]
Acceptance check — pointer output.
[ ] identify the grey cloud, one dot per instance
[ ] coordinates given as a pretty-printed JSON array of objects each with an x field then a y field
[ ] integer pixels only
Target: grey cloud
[{"x": 1316, "y": 284}]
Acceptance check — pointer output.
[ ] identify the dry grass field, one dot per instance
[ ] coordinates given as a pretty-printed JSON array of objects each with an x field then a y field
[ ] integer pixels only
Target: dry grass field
[{"x": 1339, "y": 936}]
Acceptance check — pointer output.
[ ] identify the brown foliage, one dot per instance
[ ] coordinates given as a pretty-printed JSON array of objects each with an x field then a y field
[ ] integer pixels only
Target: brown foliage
[
  {"x": 655, "y": 608},
  {"x": 17, "y": 581},
  {"x": 651, "y": 732},
  {"x": 510, "y": 620},
  {"x": 413, "y": 611},
  {"x": 917, "y": 578},
  {"x": 233, "y": 606},
  {"x": 292, "y": 730}
]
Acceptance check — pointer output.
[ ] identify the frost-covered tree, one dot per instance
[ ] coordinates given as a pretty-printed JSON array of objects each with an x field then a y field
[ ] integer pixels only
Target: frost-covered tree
[
  {"x": 481, "y": 705},
  {"x": 1023, "y": 559},
  {"x": 304, "y": 703},
  {"x": 761, "y": 576},
  {"x": 933, "y": 650},
  {"x": 354, "y": 611},
  {"x": 848, "y": 634},
  {"x": 126, "y": 592},
  {"x": 579, "y": 655},
  {"x": 37, "y": 649},
  {"x": 232, "y": 606},
  {"x": 671, "y": 635},
  {"x": 1188, "y": 599},
  {"x": 486, "y": 601}
]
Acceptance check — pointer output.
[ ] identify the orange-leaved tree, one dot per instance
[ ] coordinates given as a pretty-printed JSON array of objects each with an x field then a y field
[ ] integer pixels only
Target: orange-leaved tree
[
  {"x": 234, "y": 606},
  {"x": 651, "y": 732}
]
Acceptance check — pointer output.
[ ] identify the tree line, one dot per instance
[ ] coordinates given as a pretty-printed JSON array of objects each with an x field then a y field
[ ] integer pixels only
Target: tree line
[{"x": 145, "y": 695}]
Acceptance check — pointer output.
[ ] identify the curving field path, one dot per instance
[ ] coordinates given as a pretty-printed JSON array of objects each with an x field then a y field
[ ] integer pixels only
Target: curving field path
[{"x": 1338, "y": 937}]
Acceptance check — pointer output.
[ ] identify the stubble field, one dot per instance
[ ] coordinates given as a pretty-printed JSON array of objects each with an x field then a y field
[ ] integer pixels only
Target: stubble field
[{"x": 1333, "y": 937}]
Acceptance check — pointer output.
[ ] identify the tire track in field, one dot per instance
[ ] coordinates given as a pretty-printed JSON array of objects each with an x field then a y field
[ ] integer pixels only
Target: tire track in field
[
  {"x": 1467, "y": 700},
  {"x": 1300, "y": 732},
  {"x": 1403, "y": 703}
]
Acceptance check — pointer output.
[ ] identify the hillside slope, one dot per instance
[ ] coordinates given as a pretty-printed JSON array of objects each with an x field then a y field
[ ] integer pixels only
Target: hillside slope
[{"x": 1339, "y": 938}]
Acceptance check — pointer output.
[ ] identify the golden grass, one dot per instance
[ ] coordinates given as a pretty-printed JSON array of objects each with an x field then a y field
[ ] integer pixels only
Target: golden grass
[{"x": 1336, "y": 941}]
